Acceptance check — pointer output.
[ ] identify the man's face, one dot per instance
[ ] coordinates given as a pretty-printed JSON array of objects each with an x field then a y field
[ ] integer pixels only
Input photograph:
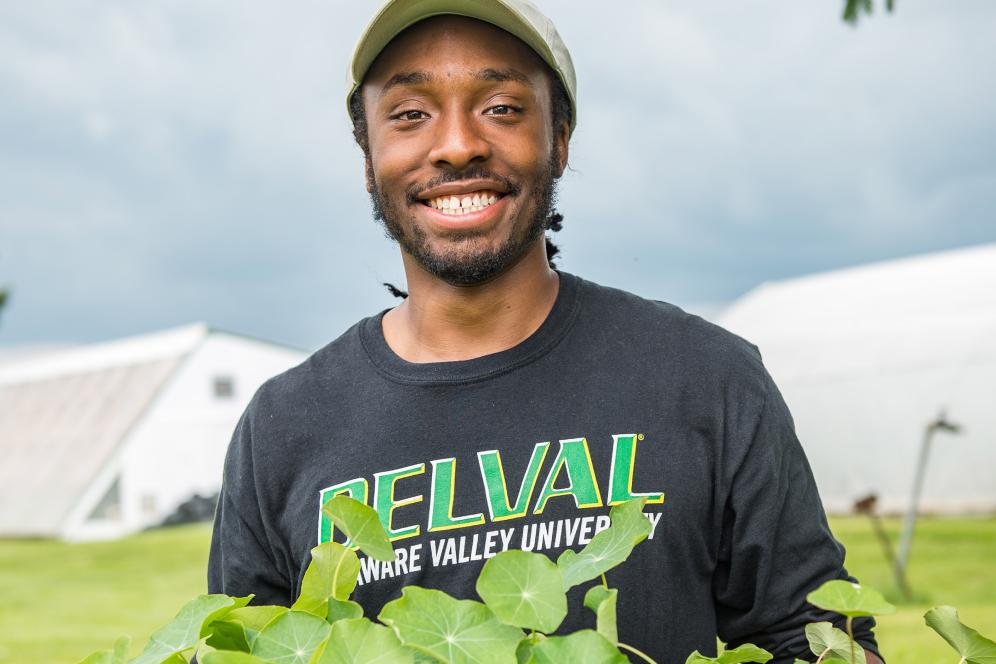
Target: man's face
[{"x": 463, "y": 154}]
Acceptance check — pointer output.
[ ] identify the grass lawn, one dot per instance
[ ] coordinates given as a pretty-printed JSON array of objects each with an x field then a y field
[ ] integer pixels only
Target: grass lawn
[{"x": 59, "y": 602}]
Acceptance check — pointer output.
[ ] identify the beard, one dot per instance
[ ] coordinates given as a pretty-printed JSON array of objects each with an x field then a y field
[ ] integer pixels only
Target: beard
[{"x": 463, "y": 264}]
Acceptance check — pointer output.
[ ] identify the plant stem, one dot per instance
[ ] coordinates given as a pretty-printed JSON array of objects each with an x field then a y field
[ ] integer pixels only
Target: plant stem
[
  {"x": 850, "y": 634},
  {"x": 605, "y": 581},
  {"x": 822, "y": 655},
  {"x": 636, "y": 652}
]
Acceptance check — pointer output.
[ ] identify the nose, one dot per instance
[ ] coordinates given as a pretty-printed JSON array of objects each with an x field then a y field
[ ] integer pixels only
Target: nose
[{"x": 458, "y": 142}]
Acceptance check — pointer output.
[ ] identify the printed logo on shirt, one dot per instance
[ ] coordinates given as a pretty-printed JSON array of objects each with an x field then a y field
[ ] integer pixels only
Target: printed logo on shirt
[{"x": 570, "y": 474}]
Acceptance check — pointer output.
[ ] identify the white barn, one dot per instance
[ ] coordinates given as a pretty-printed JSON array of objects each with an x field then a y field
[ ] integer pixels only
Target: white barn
[
  {"x": 106, "y": 439},
  {"x": 866, "y": 357}
]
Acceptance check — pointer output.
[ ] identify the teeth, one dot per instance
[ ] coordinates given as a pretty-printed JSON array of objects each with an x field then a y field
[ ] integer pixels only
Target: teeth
[{"x": 453, "y": 205}]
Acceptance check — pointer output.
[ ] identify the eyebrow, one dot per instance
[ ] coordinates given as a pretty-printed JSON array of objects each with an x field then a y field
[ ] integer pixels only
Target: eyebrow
[{"x": 419, "y": 77}]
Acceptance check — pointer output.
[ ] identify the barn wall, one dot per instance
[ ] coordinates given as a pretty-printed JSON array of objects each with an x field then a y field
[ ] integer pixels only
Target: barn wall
[{"x": 178, "y": 447}]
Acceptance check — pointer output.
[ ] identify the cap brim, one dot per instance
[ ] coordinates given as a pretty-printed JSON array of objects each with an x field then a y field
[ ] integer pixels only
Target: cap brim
[{"x": 398, "y": 15}]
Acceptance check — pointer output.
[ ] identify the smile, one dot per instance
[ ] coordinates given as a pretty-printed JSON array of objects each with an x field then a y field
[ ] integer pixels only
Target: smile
[{"x": 466, "y": 203}]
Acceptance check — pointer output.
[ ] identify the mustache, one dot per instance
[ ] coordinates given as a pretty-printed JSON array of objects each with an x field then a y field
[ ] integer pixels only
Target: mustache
[{"x": 476, "y": 172}]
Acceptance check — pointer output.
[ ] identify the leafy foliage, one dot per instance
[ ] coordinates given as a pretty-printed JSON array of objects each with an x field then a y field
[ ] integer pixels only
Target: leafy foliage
[
  {"x": 745, "y": 653},
  {"x": 972, "y": 646},
  {"x": 361, "y": 525},
  {"x": 521, "y": 590},
  {"x": 602, "y": 601},
  {"x": 524, "y": 589},
  {"x": 854, "y": 8},
  {"x": 828, "y": 643},
  {"x": 451, "y": 630},
  {"x": 850, "y": 599},
  {"x": 629, "y": 527}
]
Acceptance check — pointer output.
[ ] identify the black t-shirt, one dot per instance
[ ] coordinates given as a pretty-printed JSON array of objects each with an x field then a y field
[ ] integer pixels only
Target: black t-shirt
[{"x": 613, "y": 396}]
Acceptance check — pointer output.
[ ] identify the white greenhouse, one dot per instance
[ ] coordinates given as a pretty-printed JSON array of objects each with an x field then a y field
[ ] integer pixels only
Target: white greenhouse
[
  {"x": 867, "y": 357},
  {"x": 106, "y": 439}
]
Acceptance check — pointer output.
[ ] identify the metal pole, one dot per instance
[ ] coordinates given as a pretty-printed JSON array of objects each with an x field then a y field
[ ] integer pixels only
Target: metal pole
[{"x": 906, "y": 540}]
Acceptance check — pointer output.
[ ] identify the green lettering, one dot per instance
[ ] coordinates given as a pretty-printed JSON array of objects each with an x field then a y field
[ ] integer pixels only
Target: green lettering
[{"x": 575, "y": 458}]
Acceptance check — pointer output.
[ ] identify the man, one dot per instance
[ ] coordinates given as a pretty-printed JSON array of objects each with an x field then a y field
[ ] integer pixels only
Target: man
[{"x": 504, "y": 404}]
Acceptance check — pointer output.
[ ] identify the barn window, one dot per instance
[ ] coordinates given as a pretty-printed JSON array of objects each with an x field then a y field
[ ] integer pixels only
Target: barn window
[
  {"x": 109, "y": 507},
  {"x": 149, "y": 505},
  {"x": 224, "y": 387}
]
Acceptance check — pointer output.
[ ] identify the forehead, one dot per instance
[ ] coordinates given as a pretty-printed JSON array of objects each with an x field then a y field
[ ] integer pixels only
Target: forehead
[{"x": 454, "y": 45}]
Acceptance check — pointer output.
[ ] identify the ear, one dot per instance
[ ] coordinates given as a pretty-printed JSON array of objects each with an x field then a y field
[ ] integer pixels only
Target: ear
[
  {"x": 562, "y": 140},
  {"x": 368, "y": 173}
]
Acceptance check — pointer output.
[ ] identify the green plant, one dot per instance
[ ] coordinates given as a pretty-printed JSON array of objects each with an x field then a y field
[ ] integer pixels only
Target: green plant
[{"x": 524, "y": 600}]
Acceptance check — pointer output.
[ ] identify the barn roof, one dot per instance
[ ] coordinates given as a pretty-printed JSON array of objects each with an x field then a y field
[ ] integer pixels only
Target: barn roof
[
  {"x": 62, "y": 416},
  {"x": 932, "y": 310},
  {"x": 867, "y": 356}
]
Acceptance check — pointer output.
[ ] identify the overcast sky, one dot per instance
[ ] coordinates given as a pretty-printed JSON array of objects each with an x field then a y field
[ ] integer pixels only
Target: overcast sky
[{"x": 164, "y": 162}]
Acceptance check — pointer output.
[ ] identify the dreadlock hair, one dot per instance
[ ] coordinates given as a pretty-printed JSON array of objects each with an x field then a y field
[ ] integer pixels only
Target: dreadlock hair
[{"x": 560, "y": 111}]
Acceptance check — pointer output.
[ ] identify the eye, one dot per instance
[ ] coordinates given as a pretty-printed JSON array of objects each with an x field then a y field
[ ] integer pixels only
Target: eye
[
  {"x": 409, "y": 116},
  {"x": 503, "y": 109}
]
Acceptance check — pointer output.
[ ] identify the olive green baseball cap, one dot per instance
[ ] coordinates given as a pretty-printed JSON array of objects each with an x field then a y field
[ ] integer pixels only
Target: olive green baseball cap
[{"x": 519, "y": 17}]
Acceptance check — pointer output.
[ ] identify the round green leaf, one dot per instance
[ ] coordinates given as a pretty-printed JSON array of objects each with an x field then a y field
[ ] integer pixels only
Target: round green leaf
[
  {"x": 360, "y": 641},
  {"x": 524, "y": 589},
  {"x": 828, "y": 642},
  {"x": 584, "y": 647},
  {"x": 524, "y": 651},
  {"x": 972, "y": 646},
  {"x": 850, "y": 599},
  {"x": 187, "y": 628},
  {"x": 291, "y": 638},
  {"x": 230, "y": 657},
  {"x": 628, "y": 527},
  {"x": 602, "y": 601},
  {"x": 748, "y": 652},
  {"x": 252, "y": 619},
  {"x": 332, "y": 573},
  {"x": 342, "y": 610},
  {"x": 361, "y": 525},
  {"x": 451, "y": 630}
]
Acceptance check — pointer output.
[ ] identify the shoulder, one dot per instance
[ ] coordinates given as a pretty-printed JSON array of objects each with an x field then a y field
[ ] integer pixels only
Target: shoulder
[
  {"x": 296, "y": 392},
  {"x": 670, "y": 337}
]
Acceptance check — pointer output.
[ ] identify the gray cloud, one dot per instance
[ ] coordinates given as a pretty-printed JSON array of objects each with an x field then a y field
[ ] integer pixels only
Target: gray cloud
[{"x": 163, "y": 163}]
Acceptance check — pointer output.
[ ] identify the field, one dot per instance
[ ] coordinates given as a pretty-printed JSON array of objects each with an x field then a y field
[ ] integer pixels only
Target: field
[{"x": 59, "y": 602}]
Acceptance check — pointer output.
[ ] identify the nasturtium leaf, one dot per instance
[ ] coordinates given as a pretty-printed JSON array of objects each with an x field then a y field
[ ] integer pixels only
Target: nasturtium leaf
[
  {"x": 748, "y": 652},
  {"x": 332, "y": 573},
  {"x": 117, "y": 655},
  {"x": 230, "y": 657},
  {"x": 583, "y": 647},
  {"x": 190, "y": 624},
  {"x": 451, "y": 630},
  {"x": 361, "y": 641},
  {"x": 972, "y": 646},
  {"x": 291, "y": 638},
  {"x": 850, "y": 599},
  {"x": 602, "y": 601},
  {"x": 828, "y": 642},
  {"x": 342, "y": 610},
  {"x": 252, "y": 619},
  {"x": 629, "y": 526},
  {"x": 361, "y": 525},
  {"x": 524, "y": 651},
  {"x": 524, "y": 589},
  {"x": 228, "y": 635}
]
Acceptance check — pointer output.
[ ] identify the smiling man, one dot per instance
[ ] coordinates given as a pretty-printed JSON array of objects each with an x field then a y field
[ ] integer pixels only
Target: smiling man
[{"x": 505, "y": 404}]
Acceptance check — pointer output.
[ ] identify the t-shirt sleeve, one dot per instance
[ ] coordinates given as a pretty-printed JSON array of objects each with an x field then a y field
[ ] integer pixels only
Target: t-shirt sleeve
[
  {"x": 776, "y": 545},
  {"x": 241, "y": 561}
]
